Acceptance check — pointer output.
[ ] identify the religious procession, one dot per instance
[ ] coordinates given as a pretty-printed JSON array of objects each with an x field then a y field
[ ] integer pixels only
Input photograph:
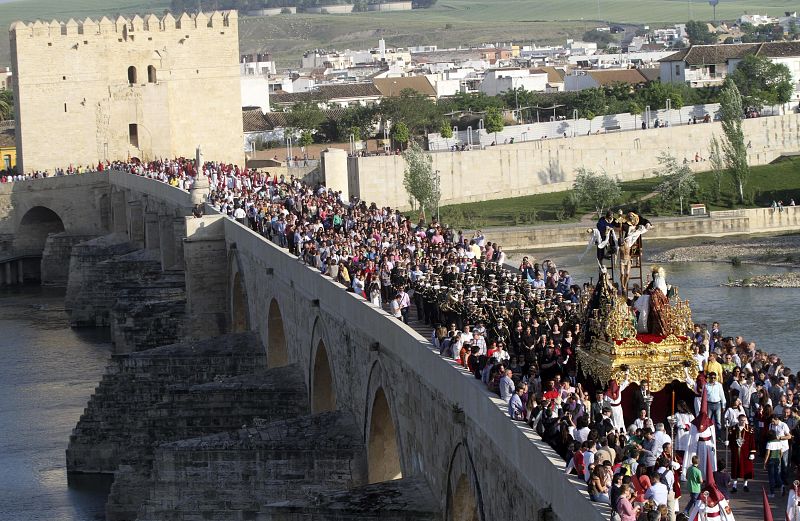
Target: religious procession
[{"x": 662, "y": 418}]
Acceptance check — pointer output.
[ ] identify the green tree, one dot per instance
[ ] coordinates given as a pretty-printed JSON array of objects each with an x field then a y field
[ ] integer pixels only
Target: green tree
[
  {"x": 400, "y": 133},
  {"x": 358, "y": 120},
  {"x": 793, "y": 30},
  {"x": 306, "y": 138},
  {"x": 596, "y": 190},
  {"x": 601, "y": 38},
  {"x": 493, "y": 123},
  {"x": 419, "y": 179},
  {"x": 446, "y": 131},
  {"x": 733, "y": 147},
  {"x": 418, "y": 112},
  {"x": 656, "y": 95},
  {"x": 717, "y": 167},
  {"x": 677, "y": 181},
  {"x": 698, "y": 33},
  {"x": 305, "y": 116},
  {"x": 762, "y": 82}
]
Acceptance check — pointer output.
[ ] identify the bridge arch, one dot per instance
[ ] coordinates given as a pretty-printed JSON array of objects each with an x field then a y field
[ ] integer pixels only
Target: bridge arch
[
  {"x": 323, "y": 385},
  {"x": 382, "y": 437},
  {"x": 277, "y": 351},
  {"x": 34, "y": 227},
  {"x": 238, "y": 305},
  {"x": 464, "y": 497}
]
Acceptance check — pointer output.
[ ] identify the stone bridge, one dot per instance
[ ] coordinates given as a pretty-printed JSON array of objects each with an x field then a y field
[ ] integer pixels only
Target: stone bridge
[{"x": 247, "y": 386}]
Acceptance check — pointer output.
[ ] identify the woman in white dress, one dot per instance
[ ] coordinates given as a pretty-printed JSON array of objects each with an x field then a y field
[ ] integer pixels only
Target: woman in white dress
[{"x": 613, "y": 399}]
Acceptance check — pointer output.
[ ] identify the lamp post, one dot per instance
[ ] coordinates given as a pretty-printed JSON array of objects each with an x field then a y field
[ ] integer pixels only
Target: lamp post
[
  {"x": 437, "y": 180},
  {"x": 288, "y": 150},
  {"x": 669, "y": 111}
]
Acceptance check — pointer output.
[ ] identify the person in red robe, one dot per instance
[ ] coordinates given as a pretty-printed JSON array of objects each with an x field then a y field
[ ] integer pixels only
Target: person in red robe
[{"x": 742, "y": 444}]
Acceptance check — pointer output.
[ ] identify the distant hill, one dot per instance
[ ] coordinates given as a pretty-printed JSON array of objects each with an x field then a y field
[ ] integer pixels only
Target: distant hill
[{"x": 447, "y": 23}]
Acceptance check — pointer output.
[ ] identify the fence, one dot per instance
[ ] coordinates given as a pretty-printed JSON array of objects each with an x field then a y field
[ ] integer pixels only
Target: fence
[{"x": 478, "y": 137}]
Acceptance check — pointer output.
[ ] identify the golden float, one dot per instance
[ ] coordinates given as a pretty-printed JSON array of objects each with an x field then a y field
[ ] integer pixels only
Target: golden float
[{"x": 615, "y": 348}]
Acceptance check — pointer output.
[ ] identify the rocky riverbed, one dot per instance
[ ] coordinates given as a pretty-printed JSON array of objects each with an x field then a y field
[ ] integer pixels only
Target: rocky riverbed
[
  {"x": 782, "y": 250},
  {"x": 785, "y": 280}
]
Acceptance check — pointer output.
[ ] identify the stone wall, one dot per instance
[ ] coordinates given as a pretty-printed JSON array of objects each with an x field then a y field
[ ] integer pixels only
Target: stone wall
[
  {"x": 91, "y": 289},
  {"x": 549, "y": 165},
  {"x": 716, "y": 224},
  {"x": 277, "y": 461},
  {"x": 87, "y": 98},
  {"x": 56, "y": 257},
  {"x": 114, "y": 428}
]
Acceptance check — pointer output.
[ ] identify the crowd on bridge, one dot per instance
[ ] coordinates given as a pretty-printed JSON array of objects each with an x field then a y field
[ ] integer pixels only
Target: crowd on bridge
[{"x": 517, "y": 331}]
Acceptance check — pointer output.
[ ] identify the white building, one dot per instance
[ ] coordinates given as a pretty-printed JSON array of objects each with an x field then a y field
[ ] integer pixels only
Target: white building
[
  {"x": 256, "y": 65},
  {"x": 757, "y": 19},
  {"x": 497, "y": 81},
  {"x": 708, "y": 65},
  {"x": 255, "y": 92}
]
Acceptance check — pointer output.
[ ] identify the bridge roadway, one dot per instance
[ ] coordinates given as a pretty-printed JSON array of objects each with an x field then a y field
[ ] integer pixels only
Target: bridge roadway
[{"x": 442, "y": 425}]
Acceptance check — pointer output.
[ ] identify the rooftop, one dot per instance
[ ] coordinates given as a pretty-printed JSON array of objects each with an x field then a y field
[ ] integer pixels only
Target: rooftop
[
  {"x": 328, "y": 92},
  {"x": 702, "y": 54},
  {"x": 612, "y": 76}
]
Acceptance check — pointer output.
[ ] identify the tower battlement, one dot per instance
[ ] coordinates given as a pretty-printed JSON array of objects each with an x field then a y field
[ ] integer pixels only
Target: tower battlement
[
  {"x": 126, "y": 26},
  {"x": 142, "y": 87}
]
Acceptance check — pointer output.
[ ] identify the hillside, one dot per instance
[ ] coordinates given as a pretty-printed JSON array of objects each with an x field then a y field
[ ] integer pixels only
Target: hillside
[{"x": 450, "y": 22}]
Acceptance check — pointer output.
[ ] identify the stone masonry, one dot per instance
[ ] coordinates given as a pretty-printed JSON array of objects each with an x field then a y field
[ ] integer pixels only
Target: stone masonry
[
  {"x": 115, "y": 426},
  {"x": 56, "y": 256},
  {"x": 289, "y": 459}
]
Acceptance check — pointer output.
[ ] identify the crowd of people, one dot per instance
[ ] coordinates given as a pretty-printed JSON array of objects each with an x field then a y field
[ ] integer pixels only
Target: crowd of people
[{"x": 518, "y": 332}]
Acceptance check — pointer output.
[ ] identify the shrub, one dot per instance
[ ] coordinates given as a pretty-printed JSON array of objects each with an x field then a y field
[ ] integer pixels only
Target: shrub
[
  {"x": 569, "y": 205},
  {"x": 736, "y": 261}
]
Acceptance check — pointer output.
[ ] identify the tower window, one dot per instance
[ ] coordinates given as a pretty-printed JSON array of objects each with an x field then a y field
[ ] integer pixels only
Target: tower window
[
  {"x": 133, "y": 135},
  {"x": 151, "y": 74},
  {"x": 132, "y": 75}
]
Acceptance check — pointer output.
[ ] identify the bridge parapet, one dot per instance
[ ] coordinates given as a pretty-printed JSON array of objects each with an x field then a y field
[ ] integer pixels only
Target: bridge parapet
[{"x": 439, "y": 409}]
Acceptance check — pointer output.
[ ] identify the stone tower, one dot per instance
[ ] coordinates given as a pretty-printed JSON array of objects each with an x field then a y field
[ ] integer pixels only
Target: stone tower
[{"x": 93, "y": 91}]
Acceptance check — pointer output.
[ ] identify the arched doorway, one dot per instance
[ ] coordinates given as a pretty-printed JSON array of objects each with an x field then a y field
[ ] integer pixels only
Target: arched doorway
[
  {"x": 462, "y": 504},
  {"x": 238, "y": 305},
  {"x": 323, "y": 390},
  {"x": 34, "y": 227},
  {"x": 277, "y": 354},
  {"x": 382, "y": 450}
]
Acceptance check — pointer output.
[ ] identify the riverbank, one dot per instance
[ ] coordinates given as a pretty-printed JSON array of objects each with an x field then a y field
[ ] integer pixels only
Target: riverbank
[
  {"x": 779, "y": 250},
  {"x": 786, "y": 280}
]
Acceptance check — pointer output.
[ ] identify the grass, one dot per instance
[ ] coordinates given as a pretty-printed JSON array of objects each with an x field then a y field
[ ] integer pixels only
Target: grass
[
  {"x": 286, "y": 37},
  {"x": 777, "y": 181},
  {"x": 629, "y": 11}
]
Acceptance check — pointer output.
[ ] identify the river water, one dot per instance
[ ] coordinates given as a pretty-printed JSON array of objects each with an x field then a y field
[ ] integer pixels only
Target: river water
[
  {"x": 49, "y": 371},
  {"x": 47, "y": 374}
]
